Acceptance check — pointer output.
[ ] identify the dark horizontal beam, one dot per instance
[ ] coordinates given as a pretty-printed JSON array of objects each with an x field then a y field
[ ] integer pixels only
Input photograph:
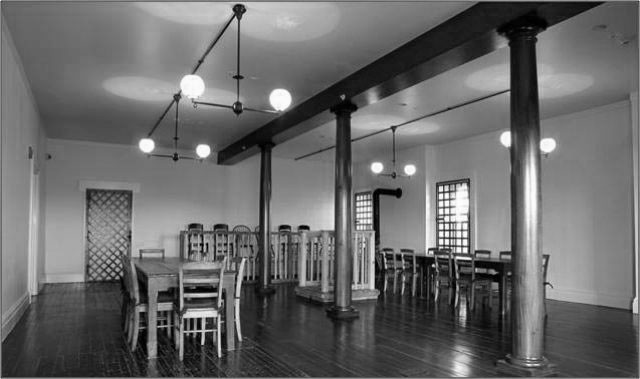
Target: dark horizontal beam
[{"x": 461, "y": 39}]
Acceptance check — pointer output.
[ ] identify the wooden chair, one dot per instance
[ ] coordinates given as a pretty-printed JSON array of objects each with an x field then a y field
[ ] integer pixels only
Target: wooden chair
[
  {"x": 444, "y": 274},
  {"x": 409, "y": 269},
  {"x": 138, "y": 304},
  {"x": 197, "y": 249},
  {"x": 390, "y": 266},
  {"x": 465, "y": 274},
  {"x": 200, "y": 297},
  {"x": 483, "y": 271},
  {"x": 238, "y": 264},
  {"x": 151, "y": 253},
  {"x": 505, "y": 255}
]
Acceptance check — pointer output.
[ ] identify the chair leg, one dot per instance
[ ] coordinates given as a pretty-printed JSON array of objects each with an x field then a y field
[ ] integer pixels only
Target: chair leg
[
  {"x": 181, "y": 338},
  {"x": 130, "y": 324},
  {"x": 136, "y": 330},
  {"x": 414, "y": 282},
  {"x": 126, "y": 319},
  {"x": 203, "y": 328},
  {"x": 218, "y": 337},
  {"x": 402, "y": 280},
  {"x": 237, "y": 318},
  {"x": 436, "y": 290}
]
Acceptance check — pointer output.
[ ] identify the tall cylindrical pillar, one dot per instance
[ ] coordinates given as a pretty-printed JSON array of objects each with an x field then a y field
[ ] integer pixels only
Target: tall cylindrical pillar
[
  {"x": 264, "y": 237},
  {"x": 343, "y": 250},
  {"x": 527, "y": 299}
]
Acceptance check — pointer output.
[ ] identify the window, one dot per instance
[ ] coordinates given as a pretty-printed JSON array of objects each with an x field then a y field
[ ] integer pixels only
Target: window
[
  {"x": 453, "y": 216},
  {"x": 364, "y": 210}
]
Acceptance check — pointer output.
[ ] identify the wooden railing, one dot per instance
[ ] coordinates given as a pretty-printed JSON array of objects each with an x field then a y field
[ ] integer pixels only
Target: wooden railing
[
  {"x": 317, "y": 255},
  {"x": 306, "y": 257}
]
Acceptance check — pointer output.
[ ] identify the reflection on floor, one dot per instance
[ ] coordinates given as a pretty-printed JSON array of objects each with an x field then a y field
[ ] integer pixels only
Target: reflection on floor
[{"x": 74, "y": 330}]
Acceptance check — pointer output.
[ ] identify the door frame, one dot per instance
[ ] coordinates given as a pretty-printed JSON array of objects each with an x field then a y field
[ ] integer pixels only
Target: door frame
[{"x": 83, "y": 186}]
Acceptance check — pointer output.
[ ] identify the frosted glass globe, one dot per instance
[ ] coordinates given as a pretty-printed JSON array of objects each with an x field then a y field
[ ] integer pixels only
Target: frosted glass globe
[
  {"x": 146, "y": 145},
  {"x": 505, "y": 139},
  {"x": 547, "y": 145},
  {"x": 280, "y": 99},
  {"x": 377, "y": 167},
  {"x": 410, "y": 169},
  {"x": 192, "y": 86},
  {"x": 203, "y": 150}
]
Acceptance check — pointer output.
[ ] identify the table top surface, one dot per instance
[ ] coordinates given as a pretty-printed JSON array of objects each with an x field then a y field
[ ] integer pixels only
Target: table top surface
[
  {"x": 477, "y": 259},
  {"x": 164, "y": 266}
]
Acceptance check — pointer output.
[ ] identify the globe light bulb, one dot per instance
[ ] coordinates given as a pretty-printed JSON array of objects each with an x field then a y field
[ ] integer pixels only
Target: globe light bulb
[
  {"x": 547, "y": 145},
  {"x": 192, "y": 86},
  {"x": 280, "y": 99},
  {"x": 377, "y": 167},
  {"x": 410, "y": 169},
  {"x": 203, "y": 150},
  {"x": 146, "y": 145},
  {"x": 505, "y": 139}
]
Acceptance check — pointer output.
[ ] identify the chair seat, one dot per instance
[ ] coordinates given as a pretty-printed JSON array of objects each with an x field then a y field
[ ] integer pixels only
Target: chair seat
[{"x": 163, "y": 297}]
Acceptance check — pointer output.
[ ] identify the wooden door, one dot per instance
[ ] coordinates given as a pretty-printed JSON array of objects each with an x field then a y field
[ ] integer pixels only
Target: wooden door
[{"x": 108, "y": 228}]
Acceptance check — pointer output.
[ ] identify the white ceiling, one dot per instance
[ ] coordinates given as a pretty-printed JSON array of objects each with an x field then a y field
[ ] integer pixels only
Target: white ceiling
[{"x": 105, "y": 71}]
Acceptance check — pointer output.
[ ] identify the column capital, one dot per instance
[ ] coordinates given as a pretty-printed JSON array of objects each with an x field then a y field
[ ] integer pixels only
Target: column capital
[
  {"x": 267, "y": 145},
  {"x": 527, "y": 26},
  {"x": 345, "y": 107}
]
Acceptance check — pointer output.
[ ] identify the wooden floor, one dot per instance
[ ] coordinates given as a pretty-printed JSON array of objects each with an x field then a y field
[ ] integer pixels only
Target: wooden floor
[{"x": 74, "y": 330}]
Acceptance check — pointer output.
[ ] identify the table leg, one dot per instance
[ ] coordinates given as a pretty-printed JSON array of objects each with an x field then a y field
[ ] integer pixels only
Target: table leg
[
  {"x": 230, "y": 317},
  {"x": 503, "y": 292},
  {"x": 152, "y": 321}
]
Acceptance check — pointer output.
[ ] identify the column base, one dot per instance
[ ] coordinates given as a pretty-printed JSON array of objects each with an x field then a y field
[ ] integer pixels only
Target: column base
[
  {"x": 265, "y": 291},
  {"x": 340, "y": 313},
  {"x": 511, "y": 367}
]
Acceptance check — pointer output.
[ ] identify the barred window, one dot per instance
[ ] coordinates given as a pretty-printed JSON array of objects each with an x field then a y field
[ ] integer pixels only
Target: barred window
[
  {"x": 453, "y": 215},
  {"x": 364, "y": 210}
]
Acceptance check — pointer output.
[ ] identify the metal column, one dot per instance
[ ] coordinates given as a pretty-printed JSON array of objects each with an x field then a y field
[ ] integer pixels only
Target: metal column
[
  {"x": 265, "y": 286},
  {"x": 527, "y": 307},
  {"x": 342, "y": 308}
]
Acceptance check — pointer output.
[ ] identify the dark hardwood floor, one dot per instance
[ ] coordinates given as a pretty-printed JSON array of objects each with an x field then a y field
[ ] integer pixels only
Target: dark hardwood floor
[{"x": 74, "y": 330}]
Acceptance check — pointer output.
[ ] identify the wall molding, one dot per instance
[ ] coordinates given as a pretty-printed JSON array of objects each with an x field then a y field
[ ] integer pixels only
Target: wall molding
[
  {"x": 633, "y": 98},
  {"x": 84, "y": 185},
  {"x": 13, "y": 315},
  {"x": 65, "y": 278},
  {"x": 590, "y": 297}
]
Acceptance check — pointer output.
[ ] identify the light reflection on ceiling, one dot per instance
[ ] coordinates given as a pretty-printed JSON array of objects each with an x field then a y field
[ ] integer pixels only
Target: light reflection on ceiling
[
  {"x": 205, "y": 13},
  {"x": 140, "y": 88},
  {"x": 551, "y": 85}
]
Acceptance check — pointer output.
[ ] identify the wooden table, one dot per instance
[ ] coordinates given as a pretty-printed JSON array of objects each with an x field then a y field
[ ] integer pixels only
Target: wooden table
[
  {"x": 502, "y": 266},
  {"x": 161, "y": 274}
]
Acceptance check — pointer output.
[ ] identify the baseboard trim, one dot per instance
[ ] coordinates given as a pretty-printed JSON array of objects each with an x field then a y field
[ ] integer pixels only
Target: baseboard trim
[
  {"x": 65, "y": 278},
  {"x": 13, "y": 315},
  {"x": 588, "y": 297}
]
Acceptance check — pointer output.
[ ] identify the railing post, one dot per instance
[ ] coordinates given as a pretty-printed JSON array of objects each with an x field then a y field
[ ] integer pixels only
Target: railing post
[
  {"x": 302, "y": 259},
  {"x": 265, "y": 286},
  {"x": 371, "y": 249},
  {"x": 324, "y": 268}
]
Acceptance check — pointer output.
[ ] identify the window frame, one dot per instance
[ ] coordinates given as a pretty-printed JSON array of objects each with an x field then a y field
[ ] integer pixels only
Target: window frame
[
  {"x": 368, "y": 209},
  {"x": 452, "y": 227}
]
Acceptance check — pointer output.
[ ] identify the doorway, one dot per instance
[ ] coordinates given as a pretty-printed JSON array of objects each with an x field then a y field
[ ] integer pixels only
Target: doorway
[{"x": 108, "y": 233}]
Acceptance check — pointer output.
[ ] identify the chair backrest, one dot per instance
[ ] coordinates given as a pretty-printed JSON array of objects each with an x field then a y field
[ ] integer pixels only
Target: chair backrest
[
  {"x": 545, "y": 266},
  {"x": 409, "y": 259},
  {"x": 432, "y": 250},
  {"x": 442, "y": 260},
  {"x": 303, "y": 227},
  {"x": 284, "y": 228},
  {"x": 130, "y": 279},
  {"x": 505, "y": 255},
  {"x": 244, "y": 240},
  {"x": 388, "y": 257},
  {"x": 201, "y": 280},
  {"x": 464, "y": 265},
  {"x": 482, "y": 253},
  {"x": 237, "y": 264},
  {"x": 195, "y": 226},
  {"x": 151, "y": 253}
]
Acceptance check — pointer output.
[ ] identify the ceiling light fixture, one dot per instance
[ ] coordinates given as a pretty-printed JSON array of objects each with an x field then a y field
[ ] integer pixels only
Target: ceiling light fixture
[
  {"x": 378, "y": 167},
  {"x": 280, "y": 99},
  {"x": 547, "y": 145},
  {"x": 192, "y": 86}
]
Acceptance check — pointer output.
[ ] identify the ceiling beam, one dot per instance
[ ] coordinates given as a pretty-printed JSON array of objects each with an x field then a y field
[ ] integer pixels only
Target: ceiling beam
[{"x": 461, "y": 39}]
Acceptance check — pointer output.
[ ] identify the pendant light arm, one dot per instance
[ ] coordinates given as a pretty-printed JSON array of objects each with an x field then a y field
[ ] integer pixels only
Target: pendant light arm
[
  {"x": 393, "y": 134},
  {"x": 176, "y": 99},
  {"x": 238, "y": 11}
]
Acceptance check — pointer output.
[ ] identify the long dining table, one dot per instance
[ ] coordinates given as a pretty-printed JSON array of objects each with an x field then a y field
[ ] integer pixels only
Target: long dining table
[
  {"x": 501, "y": 266},
  {"x": 161, "y": 274}
]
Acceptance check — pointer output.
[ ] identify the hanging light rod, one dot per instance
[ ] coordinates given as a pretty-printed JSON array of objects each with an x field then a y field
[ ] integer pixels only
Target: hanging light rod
[
  {"x": 192, "y": 86},
  {"x": 408, "y": 122}
]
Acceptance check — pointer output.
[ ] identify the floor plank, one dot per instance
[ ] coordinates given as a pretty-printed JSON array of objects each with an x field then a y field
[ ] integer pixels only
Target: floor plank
[{"x": 74, "y": 330}]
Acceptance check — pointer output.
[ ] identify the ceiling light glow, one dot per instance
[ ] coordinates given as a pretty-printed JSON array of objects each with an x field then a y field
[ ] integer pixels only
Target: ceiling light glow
[
  {"x": 410, "y": 169},
  {"x": 547, "y": 145},
  {"x": 203, "y": 150},
  {"x": 505, "y": 139},
  {"x": 280, "y": 99},
  {"x": 146, "y": 145},
  {"x": 377, "y": 167},
  {"x": 192, "y": 86}
]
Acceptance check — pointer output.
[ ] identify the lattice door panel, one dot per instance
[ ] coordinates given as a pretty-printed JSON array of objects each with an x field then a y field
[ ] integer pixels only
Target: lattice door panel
[{"x": 108, "y": 233}]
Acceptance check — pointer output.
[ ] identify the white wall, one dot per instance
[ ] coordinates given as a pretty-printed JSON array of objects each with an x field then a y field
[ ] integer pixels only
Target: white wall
[
  {"x": 587, "y": 197},
  {"x": 21, "y": 128},
  {"x": 173, "y": 194}
]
